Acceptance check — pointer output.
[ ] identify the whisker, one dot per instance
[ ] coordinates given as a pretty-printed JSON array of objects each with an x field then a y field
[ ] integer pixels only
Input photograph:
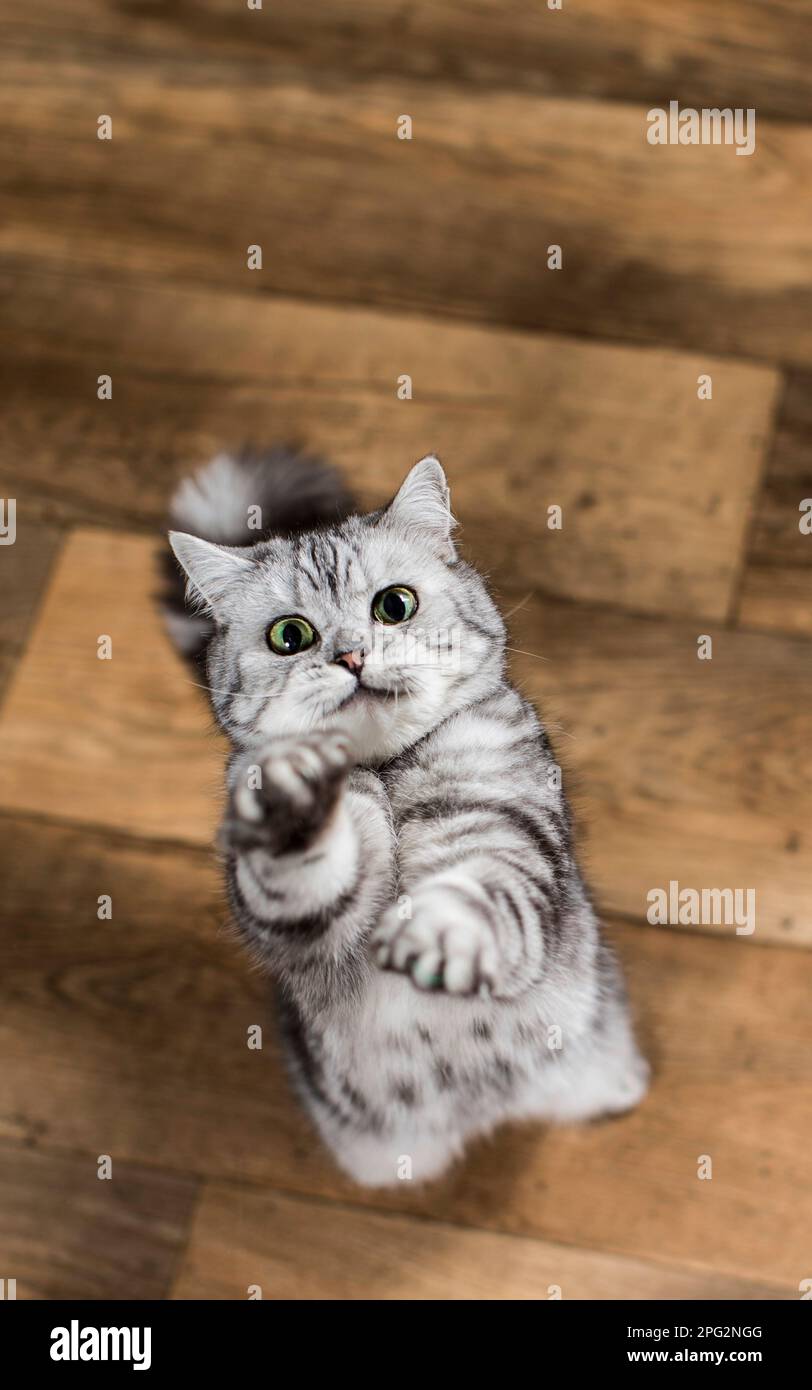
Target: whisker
[
  {"x": 522, "y": 652},
  {"x": 559, "y": 729},
  {"x": 519, "y": 605},
  {"x": 213, "y": 689}
]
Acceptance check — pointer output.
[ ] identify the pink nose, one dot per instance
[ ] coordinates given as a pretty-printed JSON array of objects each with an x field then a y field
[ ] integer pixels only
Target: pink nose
[{"x": 354, "y": 661}]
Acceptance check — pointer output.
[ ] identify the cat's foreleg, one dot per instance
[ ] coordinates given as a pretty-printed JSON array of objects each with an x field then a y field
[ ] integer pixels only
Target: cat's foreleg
[
  {"x": 308, "y": 844},
  {"x": 472, "y": 919}
]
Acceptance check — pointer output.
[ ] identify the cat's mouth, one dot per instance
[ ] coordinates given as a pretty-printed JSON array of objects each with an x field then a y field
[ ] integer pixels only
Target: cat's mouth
[
  {"x": 361, "y": 690},
  {"x": 374, "y": 692},
  {"x": 377, "y": 692}
]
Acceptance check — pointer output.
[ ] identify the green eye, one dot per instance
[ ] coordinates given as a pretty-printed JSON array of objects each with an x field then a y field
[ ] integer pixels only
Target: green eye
[
  {"x": 288, "y": 636},
  {"x": 394, "y": 605}
]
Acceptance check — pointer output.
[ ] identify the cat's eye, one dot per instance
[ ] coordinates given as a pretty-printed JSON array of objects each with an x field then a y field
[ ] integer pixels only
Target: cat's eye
[
  {"x": 395, "y": 604},
  {"x": 287, "y": 636}
]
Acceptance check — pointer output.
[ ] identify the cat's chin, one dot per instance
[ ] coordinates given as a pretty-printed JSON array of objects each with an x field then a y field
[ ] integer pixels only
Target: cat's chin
[{"x": 378, "y": 728}]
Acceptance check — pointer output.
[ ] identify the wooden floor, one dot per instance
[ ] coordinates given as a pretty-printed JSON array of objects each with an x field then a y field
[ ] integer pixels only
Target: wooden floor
[{"x": 126, "y": 1037}]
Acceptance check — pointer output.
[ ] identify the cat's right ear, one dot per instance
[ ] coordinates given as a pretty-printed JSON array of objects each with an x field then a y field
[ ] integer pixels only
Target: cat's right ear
[{"x": 211, "y": 569}]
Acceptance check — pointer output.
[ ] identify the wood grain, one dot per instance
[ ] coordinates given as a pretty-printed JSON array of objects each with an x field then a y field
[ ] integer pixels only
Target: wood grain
[
  {"x": 96, "y": 737},
  {"x": 24, "y": 570},
  {"x": 294, "y": 1249},
  {"x": 69, "y": 1234},
  {"x": 737, "y": 52},
  {"x": 655, "y": 486},
  {"x": 778, "y": 598},
  {"x": 680, "y": 769},
  {"x": 206, "y": 161},
  {"x": 129, "y": 1037},
  {"x": 777, "y": 583}
]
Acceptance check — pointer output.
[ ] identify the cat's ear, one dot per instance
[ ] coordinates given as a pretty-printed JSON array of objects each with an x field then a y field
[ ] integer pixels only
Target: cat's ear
[
  {"x": 423, "y": 502},
  {"x": 211, "y": 569}
]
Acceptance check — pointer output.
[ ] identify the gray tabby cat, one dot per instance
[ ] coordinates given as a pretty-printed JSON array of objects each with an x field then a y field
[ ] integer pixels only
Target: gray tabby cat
[{"x": 398, "y": 848}]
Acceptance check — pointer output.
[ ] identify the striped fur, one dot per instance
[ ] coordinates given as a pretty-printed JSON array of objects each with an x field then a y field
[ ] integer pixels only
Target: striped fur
[{"x": 398, "y": 846}]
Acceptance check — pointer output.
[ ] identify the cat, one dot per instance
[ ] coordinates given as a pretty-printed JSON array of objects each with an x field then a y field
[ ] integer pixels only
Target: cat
[{"x": 397, "y": 846}]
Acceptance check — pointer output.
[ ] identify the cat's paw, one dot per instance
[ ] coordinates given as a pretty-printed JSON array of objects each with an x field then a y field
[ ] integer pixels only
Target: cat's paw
[
  {"x": 445, "y": 944},
  {"x": 280, "y": 799}
]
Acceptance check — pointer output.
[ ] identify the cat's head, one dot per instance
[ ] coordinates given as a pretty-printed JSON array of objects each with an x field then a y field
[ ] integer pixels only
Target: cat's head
[{"x": 372, "y": 625}]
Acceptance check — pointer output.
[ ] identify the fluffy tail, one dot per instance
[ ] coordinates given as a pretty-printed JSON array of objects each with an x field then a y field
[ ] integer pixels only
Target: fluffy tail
[{"x": 283, "y": 491}]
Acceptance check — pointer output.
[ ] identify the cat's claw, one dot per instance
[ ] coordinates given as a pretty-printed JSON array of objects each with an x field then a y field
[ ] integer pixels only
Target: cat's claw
[
  {"x": 443, "y": 945},
  {"x": 281, "y": 798}
]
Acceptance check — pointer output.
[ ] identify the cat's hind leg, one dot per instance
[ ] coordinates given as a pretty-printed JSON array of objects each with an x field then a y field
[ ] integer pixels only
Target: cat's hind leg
[
  {"x": 604, "y": 1075},
  {"x": 389, "y": 1160}
]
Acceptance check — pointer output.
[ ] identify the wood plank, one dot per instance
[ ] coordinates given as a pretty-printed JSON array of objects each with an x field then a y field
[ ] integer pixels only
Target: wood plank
[
  {"x": 680, "y": 769},
  {"x": 132, "y": 1012},
  {"x": 208, "y": 162},
  {"x": 738, "y": 53},
  {"x": 614, "y": 436},
  {"x": 777, "y": 584},
  {"x": 777, "y": 598},
  {"x": 68, "y": 1234},
  {"x": 116, "y": 734},
  {"x": 129, "y": 1037},
  {"x": 24, "y": 569},
  {"x": 294, "y": 1249}
]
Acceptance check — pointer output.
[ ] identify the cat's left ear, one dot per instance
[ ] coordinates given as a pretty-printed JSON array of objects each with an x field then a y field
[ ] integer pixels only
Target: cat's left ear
[{"x": 423, "y": 502}]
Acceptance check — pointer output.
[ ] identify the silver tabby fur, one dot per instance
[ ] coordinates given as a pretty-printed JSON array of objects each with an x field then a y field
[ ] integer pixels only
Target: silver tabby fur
[{"x": 397, "y": 843}]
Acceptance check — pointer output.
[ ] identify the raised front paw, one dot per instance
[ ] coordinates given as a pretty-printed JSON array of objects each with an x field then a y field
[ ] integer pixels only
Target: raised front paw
[
  {"x": 280, "y": 799},
  {"x": 444, "y": 944}
]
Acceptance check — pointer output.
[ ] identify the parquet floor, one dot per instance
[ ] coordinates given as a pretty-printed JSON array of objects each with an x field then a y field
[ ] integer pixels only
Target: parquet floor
[{"x": 578, "y": 388}]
